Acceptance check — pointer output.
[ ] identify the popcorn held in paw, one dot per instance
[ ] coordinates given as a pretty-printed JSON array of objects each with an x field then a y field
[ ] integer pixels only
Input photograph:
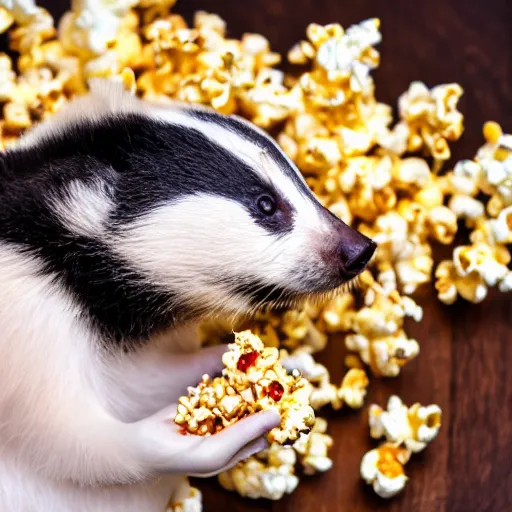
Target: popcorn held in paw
[
  {"x": 253, "y": 380},
  {"x": 383, "y": 469},
  {"x": 415, "y": 426}
]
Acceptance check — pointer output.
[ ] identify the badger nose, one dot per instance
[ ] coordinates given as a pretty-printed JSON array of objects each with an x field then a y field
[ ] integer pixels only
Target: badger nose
[
  {"x": 357, "y": 263},
  {"x": 355, "y": 251}
]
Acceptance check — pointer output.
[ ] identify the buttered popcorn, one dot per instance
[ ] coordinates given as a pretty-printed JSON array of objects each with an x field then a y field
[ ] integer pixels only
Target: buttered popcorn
[
  {"x": 351, "y": 392},
  {"x": 383, "y": 469},
  {"x": 313, "y": 449},
  {"x": 429, "y": 119},
  {"x": 414, "y": 426},
  {"x": 186, "y": 498},
  {"x": 253, "y": 380},
  {"x": 378, "y": 337}
]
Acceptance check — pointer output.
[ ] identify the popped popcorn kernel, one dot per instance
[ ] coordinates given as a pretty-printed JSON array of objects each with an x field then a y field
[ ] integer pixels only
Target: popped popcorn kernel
[
  {"x": 313, "y": 449},
  {"x": 414, "y": 427},
  {"x": 378, "y": 337},
  {"x": 432, "y": 118},
  {"x": 492, "y": 132},
  {"x": 6, "y": 20},
  {"x": 353, "y": 388},
  {"x": 186, "y": 499},
  {"x": 351, "y": 392}
]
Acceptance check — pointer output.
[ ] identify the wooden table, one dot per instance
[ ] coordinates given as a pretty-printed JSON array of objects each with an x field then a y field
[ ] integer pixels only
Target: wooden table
[{"x": 465, "y": 349}]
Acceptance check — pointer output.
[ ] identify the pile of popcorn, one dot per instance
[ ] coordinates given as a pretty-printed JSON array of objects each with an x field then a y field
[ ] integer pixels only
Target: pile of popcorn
[
  {"x": 253, "y": 380},
  {"x": 385, "y": 179}
]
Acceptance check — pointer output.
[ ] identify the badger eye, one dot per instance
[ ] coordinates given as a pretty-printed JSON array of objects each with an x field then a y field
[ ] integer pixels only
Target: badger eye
[{"x": 267, "y": 205}]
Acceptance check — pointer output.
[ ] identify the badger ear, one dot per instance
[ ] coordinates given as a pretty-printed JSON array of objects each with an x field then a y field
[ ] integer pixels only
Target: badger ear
[
  {"x": 105, "y": 97},
  {"x": 112, "y": 96},
  {"x": 104, "y": 89}
]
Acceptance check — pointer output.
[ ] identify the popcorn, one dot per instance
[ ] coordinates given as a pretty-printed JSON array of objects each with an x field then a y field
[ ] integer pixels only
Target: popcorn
[
  {"x": 333, "y": 314},
  {"x": 449, "y": 284},
  {"x": 467, "y": 207},
  {"x": 378, "y": 338},
  {"x": 353, "y": 388},
  {"x": 186, "y": 499},
  {"x": 383, "y": 468},
  {"x": 474, "y": 268},
  {"x": 351, "y": 392},
  {"x": 6, "y": 20},
  {"x": 407, "y": 431},
  {"x": 338, "y": 81},
  {"x": 502, "y": 226},
  {"x": 34, "y": 24},
  {"x": 313, "y": 449},
  {"x": 368, "y": 173},
  {"x": 472, "y": 271},
  {"x": 346, "y": 56},
  {"x": 92, "y": 26},
  {"x": 495, "y": 159},
  {"x": 414, "y": 427},
  {"x": 411, "y": 171},
  {"x": 478, "y": 258},
  {"x": 253, "y": 380},
  {"x": 429, "y": 119},
  {"x": 442, "y": 224},
  {"x": 269, "y": 475},
  {"x": 290, "y": 330},
  {"x": 385, "y": 355}
]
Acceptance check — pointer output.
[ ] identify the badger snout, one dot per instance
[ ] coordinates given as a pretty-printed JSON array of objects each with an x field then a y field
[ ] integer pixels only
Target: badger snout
[
  {"x": 346, "y": 252},
  {"x": 354, "y": 251}
]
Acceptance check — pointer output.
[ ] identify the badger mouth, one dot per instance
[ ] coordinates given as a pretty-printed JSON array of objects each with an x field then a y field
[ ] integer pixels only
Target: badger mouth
[{"x": 265, "y": 297}]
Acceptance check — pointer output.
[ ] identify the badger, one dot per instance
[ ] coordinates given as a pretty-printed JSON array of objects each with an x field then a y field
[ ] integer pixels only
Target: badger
[{"x": 123, "y": 223}]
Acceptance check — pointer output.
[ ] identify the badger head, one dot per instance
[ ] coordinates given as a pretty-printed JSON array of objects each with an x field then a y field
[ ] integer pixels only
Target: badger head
[{"x": 161, "y": 213}]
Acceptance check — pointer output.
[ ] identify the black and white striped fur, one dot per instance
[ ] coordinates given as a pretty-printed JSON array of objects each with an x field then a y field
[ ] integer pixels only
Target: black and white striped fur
[{"x": 121, "y": 224}]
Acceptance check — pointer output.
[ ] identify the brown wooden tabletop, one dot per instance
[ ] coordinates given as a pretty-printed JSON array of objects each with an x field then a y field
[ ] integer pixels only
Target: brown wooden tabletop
[{"x": 466, "y": 350}]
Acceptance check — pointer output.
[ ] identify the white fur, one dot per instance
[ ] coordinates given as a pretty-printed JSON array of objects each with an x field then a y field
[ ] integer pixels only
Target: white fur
[
  {"x": 49, "y": 373},
  {"x": 85, "y": 208},
  {"x": 73, "y": 417},
  {"x": 181, "y": 244}
]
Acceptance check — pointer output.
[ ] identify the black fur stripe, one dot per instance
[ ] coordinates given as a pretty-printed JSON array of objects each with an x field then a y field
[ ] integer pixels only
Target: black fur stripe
[
  {"x": 233, "y": 124},
  {"x": 114, "y": 297}
]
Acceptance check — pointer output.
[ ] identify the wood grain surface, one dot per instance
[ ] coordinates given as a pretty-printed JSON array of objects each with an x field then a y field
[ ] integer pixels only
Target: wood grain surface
[{"x": 466, "y": 350}]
